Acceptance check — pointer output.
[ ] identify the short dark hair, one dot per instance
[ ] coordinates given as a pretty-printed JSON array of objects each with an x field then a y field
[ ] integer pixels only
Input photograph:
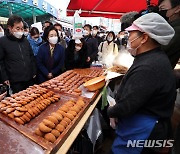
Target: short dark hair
[
  {"x": 34, "y": 31},
  {"x": 57, "y": 24},
  {"x": 14, "y": 19},
  {"x": 48, "y": 22},
  {"x": 46, "y": 33},
  {"x": 25, "y": 25},
  {"x": 174, "y": 3},
  {"x": 96, "y": 27},
  {"x": 88, "y": 25},
  {"x": 111, "y": 32}
]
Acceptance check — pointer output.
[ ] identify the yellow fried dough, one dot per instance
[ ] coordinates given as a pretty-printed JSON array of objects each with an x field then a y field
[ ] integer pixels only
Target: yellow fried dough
[
  {"x": 48, "y": 123},
  {"x": 44, "y": 128}
]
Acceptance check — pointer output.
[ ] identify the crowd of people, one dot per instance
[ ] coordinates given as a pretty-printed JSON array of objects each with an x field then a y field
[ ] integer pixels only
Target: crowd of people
[
  {"x": 144, "y": 99},
  {"x": 28, "y": 56}
]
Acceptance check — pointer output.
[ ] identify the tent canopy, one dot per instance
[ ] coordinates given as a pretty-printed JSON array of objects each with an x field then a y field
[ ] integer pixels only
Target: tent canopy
[
  {"x": 26, "y": 8},
  {"x": 106, "y": 8}
]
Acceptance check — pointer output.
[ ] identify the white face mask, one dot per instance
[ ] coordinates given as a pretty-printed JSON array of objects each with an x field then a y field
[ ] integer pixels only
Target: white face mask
[
  {"x": 2, "y": 34},
  {"x": 121, "y": 36},
  {"x": 77, "y": 48},
  {"x": 109, "y": 38},
  {"x": 26, "y": 33},
  {"x": 18, "y": 34},
  {"x": 131, "y": 50},
  {"x": 85, "y": 32},
  {"x": 94, "y": 32},
  {"x": 53, "y": 40},
  {"x": 36, "y": 39}
]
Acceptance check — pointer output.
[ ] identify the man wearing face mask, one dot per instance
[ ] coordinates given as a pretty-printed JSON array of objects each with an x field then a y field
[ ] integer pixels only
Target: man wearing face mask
[
  {"x": 17, "y": 61},
  {"x": 108, "y": 50},
  {"x": 1, "y": 30},
  {"x": 92, "y": 44},
  {"x": 76, "y": 54},
  {"x": 62, "y": 40},
  {"x": 145, "y": 98},
  {"x": 95, "y": 34},
  {"x": 170, "y": 10}
]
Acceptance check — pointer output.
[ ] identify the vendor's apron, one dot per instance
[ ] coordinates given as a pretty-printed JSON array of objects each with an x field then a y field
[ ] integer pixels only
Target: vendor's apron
[{"x": 136, "y": 127}]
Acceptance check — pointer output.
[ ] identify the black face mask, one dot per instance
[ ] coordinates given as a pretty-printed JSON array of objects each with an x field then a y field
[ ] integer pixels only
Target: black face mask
[{"x": 163, "y": 14}]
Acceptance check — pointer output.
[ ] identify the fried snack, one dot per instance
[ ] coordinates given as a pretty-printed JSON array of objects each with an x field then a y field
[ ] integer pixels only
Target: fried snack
[
  {"x": 55, "y": 133},
  {"x": 22, "y": 109},
  {"x": 9, "y": 110},
  {"x": 80, "y": 103},
  {"x": 75, "y": 108},
  {"x": 67, "y": 120},
  {"x": 64, "y": 123},
  {"x": 50, "y": 137},
  {"x": 64, "y": 108},
  {"x": 11, "y": 115},
  {"x": 48, "y": 123},
  {"x": 26, "y": 117},
  {"x": 38, "y": 132},
  {"x": 57, "y": 116},
  {"x": 17, "y": 113},
  {"x": 61, "y": 112},
  {"x": 53, "y": 119},
  {"x": 60, "y": 128},
  {"x": 44, "y": 128},
  {"x": 70, "y": 116},
  {"x": 73, "y": 113},
  {"x": 77, "y": 90},
  {"x": 119, "y": 69},
  {"x": 18, "y": 120}
]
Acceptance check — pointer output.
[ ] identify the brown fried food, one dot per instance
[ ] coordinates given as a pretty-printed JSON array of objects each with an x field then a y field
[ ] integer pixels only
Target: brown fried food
[
  {"x": 17, "y": 113},
  {"x": 38, "y": 132},
  {"x": 50, "y": 137},
  {"x": 18, "y": 120},
  {"x": 44, "y": 128},
  {"x": 53, "y": 119},
  {"x": 67, "y": 120},
  {"x": 73, "y": 113},
  {"x": 9, "y": 110},
  {"x": 60, "y": 128},
  {"x": 70, "y": 116},
  {"x": 64, "y": 108},
  {"x": 64, "y": 123},
  {"x": 80, "y": 103},
  {"x": 48, "y": 123},
  {"x": 56, "y": 133},
  {"x": 57, "y": 116}
]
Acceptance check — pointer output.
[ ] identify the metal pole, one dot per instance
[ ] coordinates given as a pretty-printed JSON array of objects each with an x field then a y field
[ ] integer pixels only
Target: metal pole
[
  {"x": 10, "y": 9},
  {"x": 34, "y": 16}
]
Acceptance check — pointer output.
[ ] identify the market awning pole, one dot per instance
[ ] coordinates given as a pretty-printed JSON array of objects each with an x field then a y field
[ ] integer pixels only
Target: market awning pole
[
  {"x": 34, "y": 16},
  {"x": 10, "y": 9}
]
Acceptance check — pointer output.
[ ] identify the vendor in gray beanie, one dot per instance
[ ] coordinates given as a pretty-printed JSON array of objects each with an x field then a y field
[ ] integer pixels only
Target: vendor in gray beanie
[{"x": 145, "y": 98}]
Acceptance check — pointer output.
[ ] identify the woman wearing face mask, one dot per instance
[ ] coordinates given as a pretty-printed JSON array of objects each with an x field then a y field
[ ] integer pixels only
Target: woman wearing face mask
[
  {"x": 145, "y": 98},
  {"x": 34, "y": 39},
  {"x": 108, "y": 50},
  {"x": 76, "y": 54},
  {"x": 50, "y": 57}
]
